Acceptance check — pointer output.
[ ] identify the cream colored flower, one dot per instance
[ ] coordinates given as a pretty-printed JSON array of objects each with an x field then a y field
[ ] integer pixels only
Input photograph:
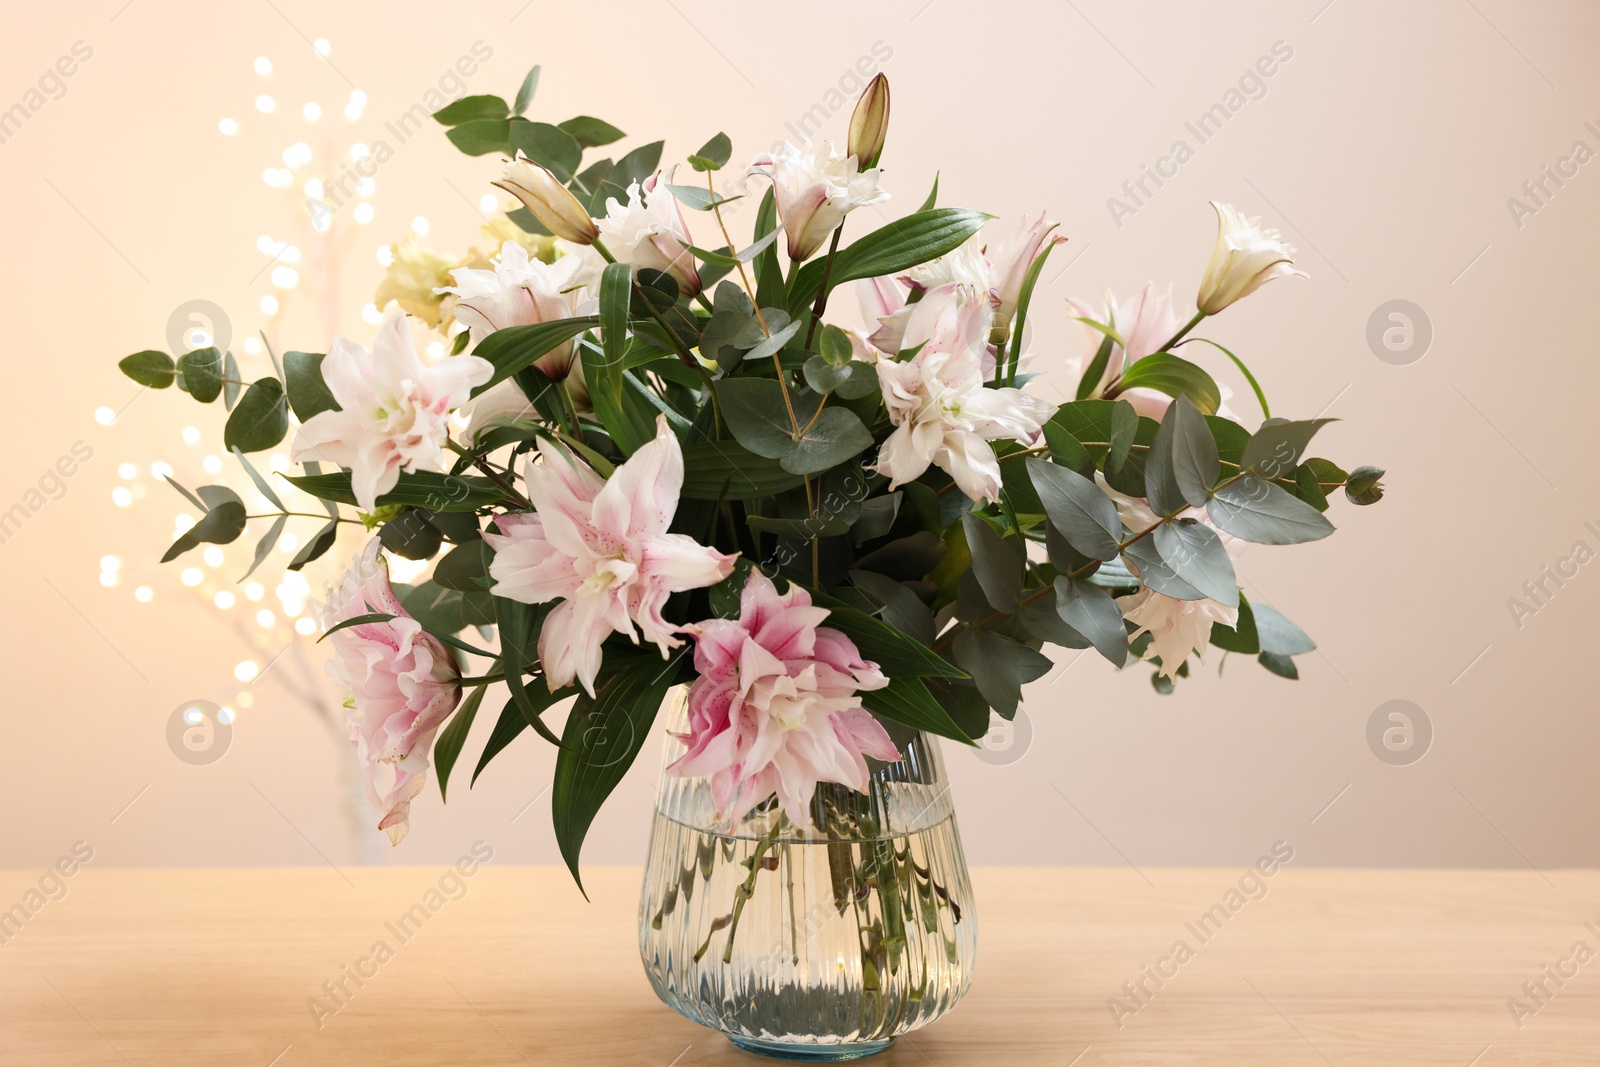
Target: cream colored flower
[
  {"x": 413, "y": 276},
  {"x": 1245, "y": 258}
]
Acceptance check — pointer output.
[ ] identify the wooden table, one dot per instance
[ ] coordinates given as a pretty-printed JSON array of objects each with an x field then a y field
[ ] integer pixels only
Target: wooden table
[{"x": 1359, "y": 968}]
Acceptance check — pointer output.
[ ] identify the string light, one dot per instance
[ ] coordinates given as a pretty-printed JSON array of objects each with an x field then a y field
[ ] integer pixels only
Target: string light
[
  {"x": 144, "y": 594},
  {"x": 246, "y": 670},
  {"x": 312, "y": 111},
  {"x": 104, "y": 416},
  {"x": 263, "y": 66},
  {"x": 228, "y": 127},
  {"x": 265, "y": 104}
]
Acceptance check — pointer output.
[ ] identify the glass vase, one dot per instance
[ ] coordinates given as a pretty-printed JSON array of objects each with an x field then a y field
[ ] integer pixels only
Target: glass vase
[{"x": 820, "y": 943}]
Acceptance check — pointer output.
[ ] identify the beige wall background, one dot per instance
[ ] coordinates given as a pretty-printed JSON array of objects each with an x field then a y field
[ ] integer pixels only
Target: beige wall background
[{"x": 1386, "y": 147}]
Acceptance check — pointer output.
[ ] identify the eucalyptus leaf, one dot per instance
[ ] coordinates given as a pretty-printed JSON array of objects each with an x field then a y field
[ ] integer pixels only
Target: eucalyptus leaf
[
  {"x": 549, "y": 146},
  {"x": 266, "y": 545},
  {"x": 308, "y": 393},
  {"x": 1090, "y": 611},
  {"x": 591, "y": 132},
  {"x": 150, "y": 368},
  {"x": 1275, "y": 449},
  {"x": 260, "y": 420},
  {"x": 713, "y": 155},
  {"x": 202, "y": 373},
  {"x": 1195, "y": 465},
  {"x": 999, "y": 666},
  {"x": 530, "y": 84},
  {"x": 472, "y": 109},
  {"x": 1196, "y": 554},
  {"x": 997, "y": 563},
  {"x": 1254, "y": 509},
  {"x": 1078, "y": 508}
]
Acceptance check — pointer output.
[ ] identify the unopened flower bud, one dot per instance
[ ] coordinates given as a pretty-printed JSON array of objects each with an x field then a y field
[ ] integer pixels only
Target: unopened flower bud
[{"x": 869, "y": 124}]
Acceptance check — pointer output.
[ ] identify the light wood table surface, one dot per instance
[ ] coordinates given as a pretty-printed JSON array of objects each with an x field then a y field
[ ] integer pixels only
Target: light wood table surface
[{"x": 1344, "y": 968}]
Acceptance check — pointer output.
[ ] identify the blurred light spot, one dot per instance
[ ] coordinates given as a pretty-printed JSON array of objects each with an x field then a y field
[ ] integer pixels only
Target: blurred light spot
[
  {"x": 263, "y": 66},
  {"x": 212, "y": 555},
  {"x": 385, "y": 257},
  {"x": 224, "y": 600},
  {"x": 371, "y": 314},
  {"x": 322, "y": 46},
  {"x": 359, "y": 151},
  {"x": 108, "y": 578},
  {"x": 109, "y": 563},
  {"x": 246, "y": 670},
  {"x": 144, "y": 594},
  {"x": 212, "y": 464},
  {"x": 419, "y": 226},
  {"x": 228, "y": 127},
  {"x": 436, "y": 349},
  {"x": 277, "y": 177},
  {"x": 305, "y": 626},
  {"x": 363, "y": 213},
  {"x": 269, "y": 305},
  {"x": 265, "y": 618},
  {"x": 489, "y": 203},
  {"x": 265, "y": 103},
  {"x": 160, "y": 469},
  {"x": 312, "y": 111},
  {"x": 104, "y": 416},
  {"x": 297, "y": 154},
  {"x": 245, "y": 698},
  {"x": 191, "y": 435},
  {"x": 191, "y": 576},
  {"x": 121, "y": 497},
  {"x": 366, "y": 186},
  {"x": 314, "y": 188},
  {"x": 285, "y": 277},
  {"x": 252, "y": 345},
  {"x": 288, "y": 543},
  {"x": 254, "y": 591},
  {"x": 127, "y": 470}
]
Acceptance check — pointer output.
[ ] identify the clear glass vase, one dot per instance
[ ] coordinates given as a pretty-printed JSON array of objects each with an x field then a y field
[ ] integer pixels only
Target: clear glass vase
[{"x": 821, "y": 943}]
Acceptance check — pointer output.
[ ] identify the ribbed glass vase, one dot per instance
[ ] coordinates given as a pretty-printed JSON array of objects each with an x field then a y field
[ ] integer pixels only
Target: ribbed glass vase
[{"x": 821, "y": 943}]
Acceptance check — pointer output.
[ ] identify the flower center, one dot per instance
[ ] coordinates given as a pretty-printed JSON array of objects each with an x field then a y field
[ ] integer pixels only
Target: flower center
[{"x": 607, "y": 575}]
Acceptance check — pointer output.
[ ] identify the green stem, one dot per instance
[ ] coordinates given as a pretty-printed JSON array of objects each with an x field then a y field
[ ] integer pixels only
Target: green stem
[
  {"x": 1191, "y": 324},
  {"x": 822, "y": 290}
]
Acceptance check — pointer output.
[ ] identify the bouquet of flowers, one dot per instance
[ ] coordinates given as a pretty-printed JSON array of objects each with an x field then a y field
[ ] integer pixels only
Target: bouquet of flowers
[{"x": 649, "y": 460}]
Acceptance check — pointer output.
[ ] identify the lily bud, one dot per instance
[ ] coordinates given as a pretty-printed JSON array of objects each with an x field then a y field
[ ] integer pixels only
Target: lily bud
[
  {"x": 544, "y": 195},
  {"x": 869, "y": 124},
  {"x": 1245, "y": 258}
]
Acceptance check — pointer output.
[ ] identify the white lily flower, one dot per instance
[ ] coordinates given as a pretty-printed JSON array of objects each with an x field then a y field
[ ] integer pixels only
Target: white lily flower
[
  {"x": 815, "y": 194},
  {"x": 1245, "y": 258},
  {"x": 943, "y": 413},
  {"x": 394, "y": 410}
]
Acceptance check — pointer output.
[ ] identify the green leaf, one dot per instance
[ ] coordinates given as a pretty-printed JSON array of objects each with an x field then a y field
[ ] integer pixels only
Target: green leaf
[
  {"x": 308, "y": 392},
  {"x": 261, "y": 483},
  {"x": 464, "y": 567},
  {"x": 1161, "y": 488},
  {"x": 260, "y": 420},
  {"x": 759, "y": 420},
  {"x": 1041, "y": 619},
  {"x": 454, "y": 735},
  {"x": 507, "y": 728},
  {"x": 835, "y": 346},
  {"x": 933, "y": 195},
  {"x": 1197, "y": 556},
  {"x": 410, "y": 535},
  {"x": 999, "y": 666},
  {"x": 1024, "y": 301},
  {"x": 423, "y": 489},
  {"x": 1195, "y": 465},
  {"x": 1095, "y": 372},
  {"x": 530, "y": 83},
  {"x": 996, "y": 563},
  {"x": 897, "y": 655},
  {"x": 472, "y": 109},
  {"x": 591, "y": 132},
  {"x": 482, "y": 137},
  {"x": 519, "y": 627},
  {"x": 907, "y": 701},
  {"x": 1242, "y": 638},
  {"x": 616, "y": 288},
  {"x": 266, "y": 545},
  {"x": 1144, "y": 559},
  {"x": 716, "y": 470},
  {"x": 601, "y": 739},
  {"x": 636, "y": 166},
  {"x": 549, "y": 146},
  {"x": 222, "y": 523},
  {"x": 1090, "y": 611},
  {"x": 1124, "y": 432},
  {"x": 1078, "y": 508},
  {"x": 1279, "y": 635},
  {"x": 769, "y": 276},
  {"x": 698, "y": 199},
  {"x": 801, "y": 529},
  {"x": 1174, "y": 376},
  {"x": 772, "y": 345},
  {"x": 713, "y": 155},
  {"x": 1261, "y": 397},
  {"x": 230, "y": 381},
  {"x": 897, "y": 247},
  {"x": 202, "y": 373},
  {"x": 516, "y": 347},
  {"x": 317, "y": 546},
  {"x": 150, "y": 368},
  {"x": 1275, "y": 449},
  {"x": 900, "y": 607},
  {"x": 1280, "y": 665},
  {"x": 823, "y": 377},
  {"x": 1255, "y": 509}
]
